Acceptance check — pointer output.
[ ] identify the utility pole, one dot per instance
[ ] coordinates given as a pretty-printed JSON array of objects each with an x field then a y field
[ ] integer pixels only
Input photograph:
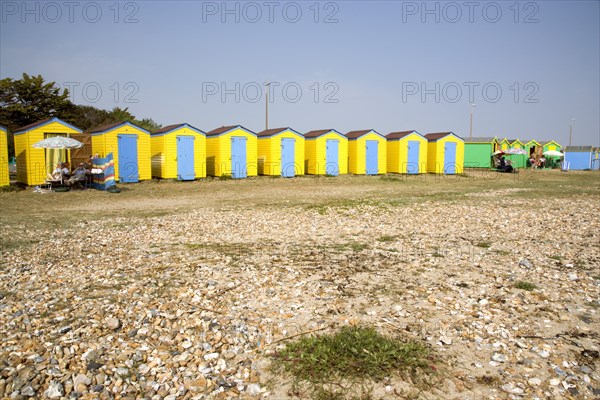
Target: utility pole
[
  {"x": 471, "y": 128},
  {"x": 571, "y": 131},
  {"x": 267, "y": 106}
]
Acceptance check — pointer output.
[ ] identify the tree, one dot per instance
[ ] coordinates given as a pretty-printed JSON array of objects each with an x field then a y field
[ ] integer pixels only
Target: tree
[
  {"x": 87, "y": 117},
  {"x": 30, "y": 99},
  {"x": 148, "y": 124},
  {"x": 120, "y": 114}
]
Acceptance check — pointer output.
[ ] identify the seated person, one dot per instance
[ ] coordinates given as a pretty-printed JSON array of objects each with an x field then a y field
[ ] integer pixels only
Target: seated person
[
  {"x": 505, "y": 166},
  {"x": 60, "y": 172},
  {"x": 532, "y": 162},
  {"x": 79, "y": 174},
  {"x": 542, "y": 162},
  {"x": 496, "y": 161}
]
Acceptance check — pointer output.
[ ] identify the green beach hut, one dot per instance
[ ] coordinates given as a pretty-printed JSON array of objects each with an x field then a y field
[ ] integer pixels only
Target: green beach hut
[
  {"x": 478, "y": 151},
  {"x": 518, "y": 160}
]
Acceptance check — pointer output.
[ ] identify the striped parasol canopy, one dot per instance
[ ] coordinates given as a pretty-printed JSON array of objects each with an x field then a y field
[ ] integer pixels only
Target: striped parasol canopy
[
  {"x": 515, "y": 150},
  {"x": 58, "y": 142}
]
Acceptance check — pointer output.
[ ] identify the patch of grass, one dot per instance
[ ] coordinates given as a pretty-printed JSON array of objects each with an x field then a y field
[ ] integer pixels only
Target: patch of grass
[
  {"x": 358, "y": 246},
  {"x": 11, "y": 188},
  {"x": 225, "y": 177},
  {"x": 484, "y": 245},
  {"x": 502, "y": 252},
  {"x": 489, "y": 380},
  {"x": 392, "y": 178},
  {"x": 557, "y": 258},
  {"x": 352, "y": 356},
  {"x": 596, "y": 277},
  {"x": 354, "y": 246},
  {"x": 10, "y": 244},
  {"x": 593, "y": 304},
  {"x": 319, "y": 208},
  {"x": 387, "y": 238},
  {"x": 525, "y": 286}
]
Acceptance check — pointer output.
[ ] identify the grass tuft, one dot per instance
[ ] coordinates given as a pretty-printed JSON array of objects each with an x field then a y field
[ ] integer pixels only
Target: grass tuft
[
  {"x": 353, "y": 354},
  {"x": 525, "y": 286},
  {"x": 387, "y": 238}
]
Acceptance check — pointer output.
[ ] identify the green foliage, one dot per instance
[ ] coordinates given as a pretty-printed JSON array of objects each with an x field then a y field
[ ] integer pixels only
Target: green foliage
[
  {"x": 525, "y": 286},
  {"x": 352, "y": 355},
  {"x": 32, "y": 99}
]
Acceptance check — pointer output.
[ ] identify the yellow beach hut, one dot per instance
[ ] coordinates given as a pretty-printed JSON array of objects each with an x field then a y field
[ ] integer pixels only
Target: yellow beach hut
[
  {"x": 178, "y": 152},
  {"x": 231, "y": 151},
  {"x": 34, "y": 165},
  {"x": 445, "y": 153},
  {"x": 280, "y": 152},
  {"x": 367, "y": 152},
  {"x": 504, "y": 144},
  {"x": 4, "y": 179},
  {"x": 406, "y": 152},
  {"x": 326, "y": 152},
  {"x": 130, "y": 146}
]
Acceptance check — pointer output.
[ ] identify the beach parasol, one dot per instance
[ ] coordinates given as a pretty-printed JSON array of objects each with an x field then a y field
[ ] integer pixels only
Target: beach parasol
[
  {"x": 58, "y": 142},
  {"x": 515, "y": 150},
  {"x": 553, "y": 153}
]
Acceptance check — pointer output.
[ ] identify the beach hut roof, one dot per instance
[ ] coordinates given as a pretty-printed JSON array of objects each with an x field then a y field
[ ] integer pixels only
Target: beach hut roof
[
  {"x": 433, "y": 137},
  {"x": 225, "y": 129},
  {"x": 579, "y": 149},
  {"x": 2, "y": 127},
  {"x": 173, "y": 127},
  {"x": 400, "y": 135},
  {"x": 113, "y": 125},
  {"x": 527, "y": 141},
  {"x": 480, "y": 140},
  {"x": 275, "y": 131},
  {"x": 42, "y": 123},
  {"x": 545, "y": 142},
  {"x": 356, "y": 134},
  {"x": 317, "y": 133}
]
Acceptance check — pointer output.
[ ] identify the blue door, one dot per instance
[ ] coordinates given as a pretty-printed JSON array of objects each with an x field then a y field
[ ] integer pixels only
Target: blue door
[
  {"x": 288, "y": 165},
  {"x": 185, "y": 158},
  {"x": 450, "y": 158},
  {"x": 238, "y": 157},
  {"x": 128, "y": 158},
  {"x": 371, "y": 154},
  {"x": 332, "y": 165},
  {"x": 412, "y": 166}
]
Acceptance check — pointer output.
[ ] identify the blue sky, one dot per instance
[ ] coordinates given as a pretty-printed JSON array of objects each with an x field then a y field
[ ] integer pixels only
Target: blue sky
[{"x": 530, "y": 67}]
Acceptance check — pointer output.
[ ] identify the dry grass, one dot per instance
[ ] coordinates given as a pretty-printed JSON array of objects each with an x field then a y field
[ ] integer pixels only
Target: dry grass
[{"x": 156, "y": 198}]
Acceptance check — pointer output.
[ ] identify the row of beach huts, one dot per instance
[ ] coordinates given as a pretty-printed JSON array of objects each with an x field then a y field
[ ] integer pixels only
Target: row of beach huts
[{"x": 184, "y": 152}]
